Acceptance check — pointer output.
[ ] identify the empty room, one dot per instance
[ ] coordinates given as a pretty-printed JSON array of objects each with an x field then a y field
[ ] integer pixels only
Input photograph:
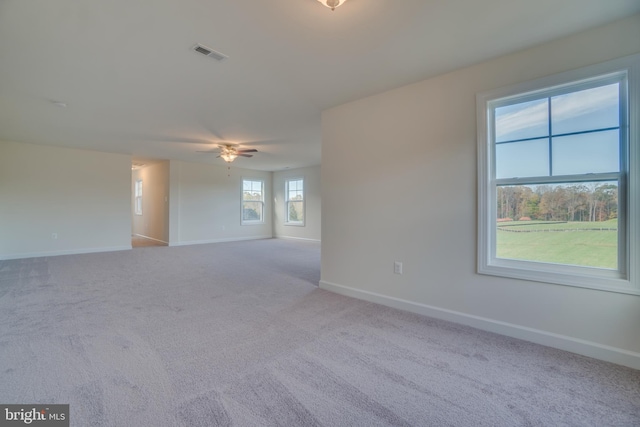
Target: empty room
[{"x": 320, "y": 213}]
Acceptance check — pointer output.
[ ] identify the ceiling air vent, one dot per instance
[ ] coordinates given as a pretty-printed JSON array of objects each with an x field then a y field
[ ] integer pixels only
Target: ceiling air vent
[{"x": 210, "y": 52}]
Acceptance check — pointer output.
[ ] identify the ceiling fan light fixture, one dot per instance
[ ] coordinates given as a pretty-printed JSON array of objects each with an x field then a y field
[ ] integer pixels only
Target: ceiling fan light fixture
[
  {"x": 228, "y": 154},
  {"x": 228, "y": 157},
  {"x": 332, "y": 4}
]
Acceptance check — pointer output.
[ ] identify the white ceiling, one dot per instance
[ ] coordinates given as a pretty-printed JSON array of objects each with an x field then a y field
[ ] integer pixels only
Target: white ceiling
[{"x": 133, "y": 85}]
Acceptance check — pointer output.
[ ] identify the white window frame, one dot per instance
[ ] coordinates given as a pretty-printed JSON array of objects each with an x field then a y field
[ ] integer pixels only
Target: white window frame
[
  {"x": 242, "y": 201},
  {"x": 287, "y": 221},
  {"x": 137, "y": 201},
  {"x": 624, "y": 280}
]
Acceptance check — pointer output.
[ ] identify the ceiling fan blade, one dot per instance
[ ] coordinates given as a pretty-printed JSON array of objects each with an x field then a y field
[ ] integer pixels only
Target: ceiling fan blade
[
  {"x": 245, "y": 155},
  {"x": 250, "y": 150}
]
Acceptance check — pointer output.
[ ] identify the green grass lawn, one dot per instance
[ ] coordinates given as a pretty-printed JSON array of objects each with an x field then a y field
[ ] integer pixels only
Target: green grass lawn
[{"x": 587, "y": 247}]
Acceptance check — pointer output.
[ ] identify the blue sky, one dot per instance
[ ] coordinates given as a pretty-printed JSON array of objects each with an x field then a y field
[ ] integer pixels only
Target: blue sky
[{"x": 585, "y": 110}]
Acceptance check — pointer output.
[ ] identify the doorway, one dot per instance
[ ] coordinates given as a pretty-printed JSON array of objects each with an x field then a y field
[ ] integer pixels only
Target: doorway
[{"x": 149, "y": 203}]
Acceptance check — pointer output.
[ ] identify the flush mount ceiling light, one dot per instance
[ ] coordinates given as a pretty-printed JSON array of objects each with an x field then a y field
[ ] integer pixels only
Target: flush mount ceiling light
[{"x": 332, "y": 4}]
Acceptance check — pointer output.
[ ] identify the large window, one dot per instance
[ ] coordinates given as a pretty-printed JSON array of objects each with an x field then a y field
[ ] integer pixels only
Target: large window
[
  {"x": 294, "y": 189},
  {"x": 138, "y": 197},
  {"x": 252, "y": 201},
  {"x": 558, "y": 184}
]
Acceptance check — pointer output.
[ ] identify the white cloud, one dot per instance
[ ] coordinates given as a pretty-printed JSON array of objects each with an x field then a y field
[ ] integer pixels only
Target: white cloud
[{"x": 515, "y": 120}]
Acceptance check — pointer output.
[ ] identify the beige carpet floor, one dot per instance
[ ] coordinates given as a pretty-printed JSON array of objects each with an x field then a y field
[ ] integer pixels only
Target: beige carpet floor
[{"x": 238, "y": 334}]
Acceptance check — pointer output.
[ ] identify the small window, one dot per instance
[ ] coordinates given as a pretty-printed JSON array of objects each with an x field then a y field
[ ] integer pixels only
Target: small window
[
  {"x": 138, "y": 197},
  {"x": 252, "y": 201},
  {"x": 294, "y": 189},
  {"x": 557, "y": 174}
]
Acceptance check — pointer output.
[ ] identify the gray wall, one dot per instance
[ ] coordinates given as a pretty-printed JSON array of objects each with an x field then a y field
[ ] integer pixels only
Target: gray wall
[
  {"x": 205, "y": 204},
  {"x": 82, "y": 196},
  {"x": 86, "y": 198},
  {"x": 420, "y": 207}
]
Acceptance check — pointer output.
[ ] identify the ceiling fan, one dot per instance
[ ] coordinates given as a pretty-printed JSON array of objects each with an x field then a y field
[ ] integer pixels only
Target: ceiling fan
[{"x": 229, "y": 153}]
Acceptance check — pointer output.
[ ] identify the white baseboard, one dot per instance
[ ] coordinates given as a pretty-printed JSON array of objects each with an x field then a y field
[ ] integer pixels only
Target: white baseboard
[
  {"x": 151, "y": 238},
  {"x": 230, "y": 239},
  {"x": 65, "y": 252},
  {"x": 562, "y": 342},
  {"x": 297, "y": 238}
]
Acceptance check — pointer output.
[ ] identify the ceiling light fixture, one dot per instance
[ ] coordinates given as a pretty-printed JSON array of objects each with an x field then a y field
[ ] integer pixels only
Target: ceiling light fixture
[
  {"x": 228, "y": 154},
  {"x": 332, "y": 4}
]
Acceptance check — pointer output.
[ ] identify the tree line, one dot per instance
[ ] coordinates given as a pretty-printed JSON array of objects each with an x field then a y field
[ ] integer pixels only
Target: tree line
[{"x": 575, "y": 202}]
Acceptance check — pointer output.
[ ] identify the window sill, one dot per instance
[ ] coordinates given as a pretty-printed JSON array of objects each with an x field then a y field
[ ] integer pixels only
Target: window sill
[{"x": 591, "y": 278}]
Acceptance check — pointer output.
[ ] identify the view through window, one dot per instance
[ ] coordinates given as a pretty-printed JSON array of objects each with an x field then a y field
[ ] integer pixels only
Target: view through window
[
  {"x": 574, "y": 224},
  {"x": 295, "y": 201},
  {"x": 558, "y": 179},
  {"x": 564, "y": 151},
  {"x": 252, "y": 201}
]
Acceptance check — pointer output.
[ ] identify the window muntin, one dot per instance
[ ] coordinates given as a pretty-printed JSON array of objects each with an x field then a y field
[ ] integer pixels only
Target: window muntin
[
  {"x": 138, "y": 197},
  {"x": 252, "y": 201},
  {"x": 571, "y": 136},
  {"x": 294, "y": 201},
  {"x": 536, "y": 138}
]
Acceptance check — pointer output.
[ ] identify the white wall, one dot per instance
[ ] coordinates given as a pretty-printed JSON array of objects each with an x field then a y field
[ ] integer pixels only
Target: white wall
[
  {"x": 83, "y": 196},
  {"x": 205, "y": 204},
  {"x": 420, "y": 207},
  {"x": 154, "y": 221},
  {"x": 312, "y": 226}
]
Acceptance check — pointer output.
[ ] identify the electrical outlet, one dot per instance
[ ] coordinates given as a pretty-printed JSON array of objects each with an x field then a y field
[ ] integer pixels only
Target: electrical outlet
[{"x": 397, "y": 267}]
